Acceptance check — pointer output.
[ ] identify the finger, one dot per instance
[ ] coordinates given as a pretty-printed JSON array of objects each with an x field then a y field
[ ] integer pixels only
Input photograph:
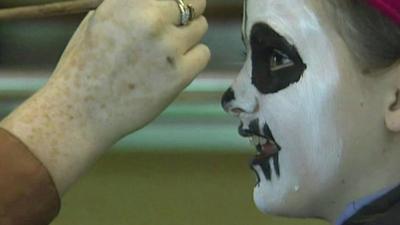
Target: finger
[
  {"x": 171, "y": 10},
  {"x": 192, "y": 34},
  {"x": 194, "y": 62}
]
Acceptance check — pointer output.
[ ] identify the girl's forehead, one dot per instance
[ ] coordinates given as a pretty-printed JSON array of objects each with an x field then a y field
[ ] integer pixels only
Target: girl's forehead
[
  {"x": 293, "y": 19},
  {"x": 275, "y": 9},
  {"x": 261, "y": 11}
]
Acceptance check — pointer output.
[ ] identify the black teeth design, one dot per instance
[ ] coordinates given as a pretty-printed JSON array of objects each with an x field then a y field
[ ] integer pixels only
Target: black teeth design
[
  {"x": 276, "y": 165},
  {"x": 253, "y": 126},
  {"x": 267, "y": 131},
  {"x": 266, "y": 168},
  {"x": 261, "y": 160}
]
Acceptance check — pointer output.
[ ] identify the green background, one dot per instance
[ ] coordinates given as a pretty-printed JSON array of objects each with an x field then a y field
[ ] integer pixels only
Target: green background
[{"x": 167, "y": 189}]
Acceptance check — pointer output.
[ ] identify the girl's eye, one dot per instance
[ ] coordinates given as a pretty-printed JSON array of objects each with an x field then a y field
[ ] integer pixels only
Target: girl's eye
[{"x": 279, "y": 60}]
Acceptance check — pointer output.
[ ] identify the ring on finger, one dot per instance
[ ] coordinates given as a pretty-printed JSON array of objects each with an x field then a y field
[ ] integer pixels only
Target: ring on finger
[{"x": 187, "y": 12}]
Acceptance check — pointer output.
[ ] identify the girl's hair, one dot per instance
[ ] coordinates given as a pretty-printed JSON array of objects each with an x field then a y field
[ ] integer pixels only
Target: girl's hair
[{"x": 372, "y": 37}]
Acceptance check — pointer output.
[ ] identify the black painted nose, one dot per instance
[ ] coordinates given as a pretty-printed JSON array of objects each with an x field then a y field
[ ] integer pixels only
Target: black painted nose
[{"x": 228, "y": 97}]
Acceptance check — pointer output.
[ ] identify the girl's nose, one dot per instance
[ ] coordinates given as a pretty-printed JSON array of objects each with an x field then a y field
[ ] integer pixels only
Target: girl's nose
[{"x": 235, "y": 106}]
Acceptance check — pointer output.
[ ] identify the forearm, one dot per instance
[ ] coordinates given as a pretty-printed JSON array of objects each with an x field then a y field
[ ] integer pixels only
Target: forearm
[
  {"x": 28, "y": 194},
  {"x": 57, "y": 134}
]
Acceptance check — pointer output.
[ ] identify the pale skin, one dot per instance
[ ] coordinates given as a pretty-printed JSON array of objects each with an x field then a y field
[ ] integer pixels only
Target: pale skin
[
  {"x": 125, "y": 64},
  {"x": 338, "y": 128}
]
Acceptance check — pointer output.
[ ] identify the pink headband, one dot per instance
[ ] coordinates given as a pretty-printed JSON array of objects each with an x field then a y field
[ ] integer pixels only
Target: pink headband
[{"x": 390, "y": 8}]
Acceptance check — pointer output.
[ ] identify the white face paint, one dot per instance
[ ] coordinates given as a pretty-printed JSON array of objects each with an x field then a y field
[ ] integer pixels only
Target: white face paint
[{"x": 323, "y": 122}]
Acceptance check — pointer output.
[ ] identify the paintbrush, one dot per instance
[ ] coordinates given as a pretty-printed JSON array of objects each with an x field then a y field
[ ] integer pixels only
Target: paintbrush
[{"x": 48, "y": 10}]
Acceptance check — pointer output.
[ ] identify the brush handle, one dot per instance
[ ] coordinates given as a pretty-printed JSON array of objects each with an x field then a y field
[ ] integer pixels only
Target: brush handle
[{"x": 50, "y": 9}]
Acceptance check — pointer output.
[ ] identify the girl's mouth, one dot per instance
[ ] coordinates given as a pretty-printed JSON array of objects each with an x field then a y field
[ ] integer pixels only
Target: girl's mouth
[{"x": 266, "y": 147}]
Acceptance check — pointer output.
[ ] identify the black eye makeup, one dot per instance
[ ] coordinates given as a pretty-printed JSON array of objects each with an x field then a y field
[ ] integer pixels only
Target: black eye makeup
[{"x": 276, "y": 63}]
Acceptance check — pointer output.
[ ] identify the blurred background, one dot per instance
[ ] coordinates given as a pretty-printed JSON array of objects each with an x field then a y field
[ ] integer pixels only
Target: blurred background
[{"x": 188, "y": 167}]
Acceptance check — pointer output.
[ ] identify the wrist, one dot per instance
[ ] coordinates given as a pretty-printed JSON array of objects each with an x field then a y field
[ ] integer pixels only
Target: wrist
[{"x": 58, "y": 134}]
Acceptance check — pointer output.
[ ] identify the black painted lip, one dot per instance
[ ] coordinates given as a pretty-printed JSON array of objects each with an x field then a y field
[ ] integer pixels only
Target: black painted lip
[
  {"x": 263, "y": 158},
  {"x": 250, "y": 132},
  {"x": 255, "y": 131}
]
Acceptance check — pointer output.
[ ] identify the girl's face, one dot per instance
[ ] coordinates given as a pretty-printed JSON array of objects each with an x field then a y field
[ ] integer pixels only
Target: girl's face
[{"x": 303, "y": 100}]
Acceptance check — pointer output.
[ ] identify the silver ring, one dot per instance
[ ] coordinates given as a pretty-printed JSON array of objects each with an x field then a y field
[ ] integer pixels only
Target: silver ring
[{"x": 187, "y": 12}]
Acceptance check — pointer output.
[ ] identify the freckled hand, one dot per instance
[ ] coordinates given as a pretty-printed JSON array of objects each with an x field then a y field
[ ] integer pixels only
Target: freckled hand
[{"x": 125, "y": 64}]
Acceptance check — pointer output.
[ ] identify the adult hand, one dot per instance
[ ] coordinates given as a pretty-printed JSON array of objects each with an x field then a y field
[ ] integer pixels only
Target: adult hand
[
  {"x": 127, "y": 61},
  {"x": 132, "y": 62}
]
